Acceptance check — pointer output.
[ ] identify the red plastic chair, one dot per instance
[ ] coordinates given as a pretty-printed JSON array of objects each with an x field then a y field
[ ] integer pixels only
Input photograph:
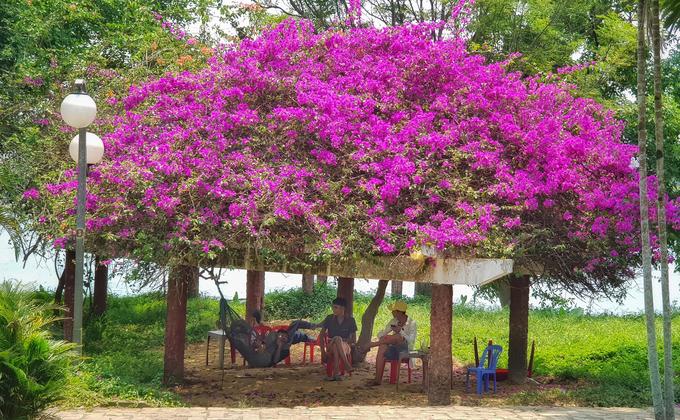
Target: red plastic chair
[
  {"x": 311, "y": 345},
  {"x": 341, "y": 365},
  {"x": 395, "y": 365}
]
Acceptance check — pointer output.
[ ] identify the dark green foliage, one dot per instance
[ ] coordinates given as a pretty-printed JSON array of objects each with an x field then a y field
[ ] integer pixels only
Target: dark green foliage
[
  {"x": 33, "y": 367},
  {"x": 294, "y": 304}
]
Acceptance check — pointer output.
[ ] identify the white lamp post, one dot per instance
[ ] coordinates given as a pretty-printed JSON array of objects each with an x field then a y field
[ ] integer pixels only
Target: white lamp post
[{"x": 79, "y": 111}]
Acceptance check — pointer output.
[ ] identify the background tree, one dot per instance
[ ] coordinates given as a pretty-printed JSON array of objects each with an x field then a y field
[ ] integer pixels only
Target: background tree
[
  {"x": 60, "y": 37},
  {"x": 652, "y": 357},
  {"x": 668, "y": 396}
]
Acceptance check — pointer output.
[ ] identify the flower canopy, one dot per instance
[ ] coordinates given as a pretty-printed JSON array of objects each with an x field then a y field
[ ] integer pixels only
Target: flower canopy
[{"x": 363, "y": 142}]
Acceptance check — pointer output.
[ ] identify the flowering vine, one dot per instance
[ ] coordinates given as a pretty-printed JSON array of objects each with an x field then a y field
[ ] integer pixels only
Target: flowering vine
[{"x": 363, "y": 142}]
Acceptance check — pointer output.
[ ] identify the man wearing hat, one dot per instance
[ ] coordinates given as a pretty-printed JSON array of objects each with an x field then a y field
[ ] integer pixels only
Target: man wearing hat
[{"x": 398, "y": 335}]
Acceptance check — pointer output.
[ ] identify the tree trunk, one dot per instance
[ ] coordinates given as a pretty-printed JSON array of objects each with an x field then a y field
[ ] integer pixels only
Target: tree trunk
[
  {"x": 321, "y": 279},
  {"x": 69, "y": 292},
  {"x": 59, "y": 293},
  {"x": 176, "y": 324},
  {"x": 346, "y": 291},
  {"x": 397, "y": 288},
  {"x": 652, "y": 356},
  {"x": 254, "y": 293},
  {"x": 519, "y": 328},
  {"x": 368, "y": 319},
  {"x": 668, "y": 395},
  {"x": 441, "y": 363},
  {"x": 101, "y": 279},
  {"x": 502, "y": 287},
  {"x": 193, "y": 282},
  {"x": 308, "y": 283},
  {"x": 423, "y": 289}
]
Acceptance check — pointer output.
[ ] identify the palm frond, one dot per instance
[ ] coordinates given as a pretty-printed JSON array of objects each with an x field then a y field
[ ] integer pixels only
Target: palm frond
[
  {"x": 670, "y": 14},
  {"x": 33, "y": 367}
]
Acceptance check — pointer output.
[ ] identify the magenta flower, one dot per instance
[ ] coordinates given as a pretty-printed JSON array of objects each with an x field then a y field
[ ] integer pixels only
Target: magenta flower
[
  {"x": 330, "y": 142},
  {"x": 32, "y": 194}
]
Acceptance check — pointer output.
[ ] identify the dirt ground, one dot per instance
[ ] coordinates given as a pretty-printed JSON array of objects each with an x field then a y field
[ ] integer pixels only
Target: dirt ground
[{"x": 302, "y": 384}]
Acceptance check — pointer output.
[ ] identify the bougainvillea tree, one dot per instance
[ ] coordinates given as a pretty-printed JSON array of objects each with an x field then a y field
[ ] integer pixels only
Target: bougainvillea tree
[
  {"x": 366, "y": 141},
  {"x": 307, "y": 145}
]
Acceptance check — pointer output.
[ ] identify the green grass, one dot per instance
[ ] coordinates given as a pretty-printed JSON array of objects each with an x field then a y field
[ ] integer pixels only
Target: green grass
[
  {"x": 609, "y": 352},
  {"x": 123, "y": 352},
  {"x": 606, "y": 355}
]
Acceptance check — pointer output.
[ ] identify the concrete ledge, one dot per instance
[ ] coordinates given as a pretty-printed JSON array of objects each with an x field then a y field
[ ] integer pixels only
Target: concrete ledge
[{"x": 468, "y": 271}]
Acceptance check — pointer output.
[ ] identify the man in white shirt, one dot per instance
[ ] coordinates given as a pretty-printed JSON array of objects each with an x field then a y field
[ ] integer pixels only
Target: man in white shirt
[{"x": 398, "y": 336}]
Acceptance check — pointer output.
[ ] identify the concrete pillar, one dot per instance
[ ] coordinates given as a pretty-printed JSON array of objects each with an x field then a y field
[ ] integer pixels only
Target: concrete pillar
[
  {"x": 346, "y": 291},
  {"x": 176, "y": 324},
  {"x": 397, "y": 288},
  {"x": 441, "y": 363},
  {"x": 423, "y": 289},
  {"x": 308, "y": 283},
  {"x": 101, "y": 286},
  {"x": 254, "y": 292},
  {"x": 519, "y": 329}
]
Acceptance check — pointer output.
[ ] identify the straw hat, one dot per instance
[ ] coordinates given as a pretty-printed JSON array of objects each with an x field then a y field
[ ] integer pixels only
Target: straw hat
[{"x": 399, "y": 305}]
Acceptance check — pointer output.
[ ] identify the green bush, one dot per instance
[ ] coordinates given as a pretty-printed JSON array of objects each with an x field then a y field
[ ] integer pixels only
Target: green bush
[
  {"x": 33, "y": 367},
  {"x": 294, "y": 304}
]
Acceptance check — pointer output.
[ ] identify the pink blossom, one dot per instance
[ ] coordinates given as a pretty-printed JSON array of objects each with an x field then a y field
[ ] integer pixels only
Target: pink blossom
[{"x": 32, "y": 194}]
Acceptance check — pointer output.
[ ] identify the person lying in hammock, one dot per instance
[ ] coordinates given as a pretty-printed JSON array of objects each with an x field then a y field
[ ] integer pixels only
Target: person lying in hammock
[
  {"x": 257, "y": 336},
  {"x": 274, "y": 347}
]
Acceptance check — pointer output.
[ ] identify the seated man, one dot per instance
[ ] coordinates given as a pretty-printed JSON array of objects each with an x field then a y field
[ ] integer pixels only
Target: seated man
[
  {"x": 399, "y": 335},
  {"x": 341, "y": 330}
]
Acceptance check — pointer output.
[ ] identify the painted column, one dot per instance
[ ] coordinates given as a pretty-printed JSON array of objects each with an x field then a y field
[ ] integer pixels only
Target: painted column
[
  {"x": 175, "y": 324},
  {"x": 441, "y": 363}
]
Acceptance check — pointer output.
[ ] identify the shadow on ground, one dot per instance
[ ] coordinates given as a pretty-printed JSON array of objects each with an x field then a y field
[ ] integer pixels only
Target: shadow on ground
[{"x": 302, "y": 385}]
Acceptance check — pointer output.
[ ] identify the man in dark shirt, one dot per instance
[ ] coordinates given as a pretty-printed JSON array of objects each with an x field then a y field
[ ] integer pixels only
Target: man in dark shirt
[{"x": 341, "y": 331}]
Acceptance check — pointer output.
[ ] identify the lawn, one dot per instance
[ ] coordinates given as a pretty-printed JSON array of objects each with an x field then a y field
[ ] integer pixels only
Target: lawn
[{"x": 580, "y": 359}]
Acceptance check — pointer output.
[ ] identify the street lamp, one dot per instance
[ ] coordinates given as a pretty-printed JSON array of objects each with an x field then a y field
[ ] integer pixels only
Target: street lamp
[
  {"x": 78, "y": 111},
  {"x": 93, "y": 144}
]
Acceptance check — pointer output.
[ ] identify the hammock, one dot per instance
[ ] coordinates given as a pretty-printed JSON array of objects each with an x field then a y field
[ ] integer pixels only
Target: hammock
[{"x": 238, "y": 332}]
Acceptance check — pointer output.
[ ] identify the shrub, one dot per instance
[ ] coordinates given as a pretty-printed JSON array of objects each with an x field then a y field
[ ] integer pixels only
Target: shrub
[
  {"x": 293, "y": 304},
  {"x": 33, "y": 367}
]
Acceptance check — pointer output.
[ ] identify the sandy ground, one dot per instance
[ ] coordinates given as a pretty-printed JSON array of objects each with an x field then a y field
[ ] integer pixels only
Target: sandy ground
[{"x": 302, "y": 385}]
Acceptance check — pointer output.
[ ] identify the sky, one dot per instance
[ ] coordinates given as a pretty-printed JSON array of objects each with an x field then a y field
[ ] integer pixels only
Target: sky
[{"x": 42, "y": 273}]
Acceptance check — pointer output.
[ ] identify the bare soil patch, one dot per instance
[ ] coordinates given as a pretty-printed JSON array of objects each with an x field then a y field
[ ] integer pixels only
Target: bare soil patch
[{"x": 302, "y": 385}]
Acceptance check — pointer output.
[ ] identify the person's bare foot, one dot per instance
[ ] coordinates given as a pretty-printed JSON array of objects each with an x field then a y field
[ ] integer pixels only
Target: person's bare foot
[{"x": 373, "y": 382}]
